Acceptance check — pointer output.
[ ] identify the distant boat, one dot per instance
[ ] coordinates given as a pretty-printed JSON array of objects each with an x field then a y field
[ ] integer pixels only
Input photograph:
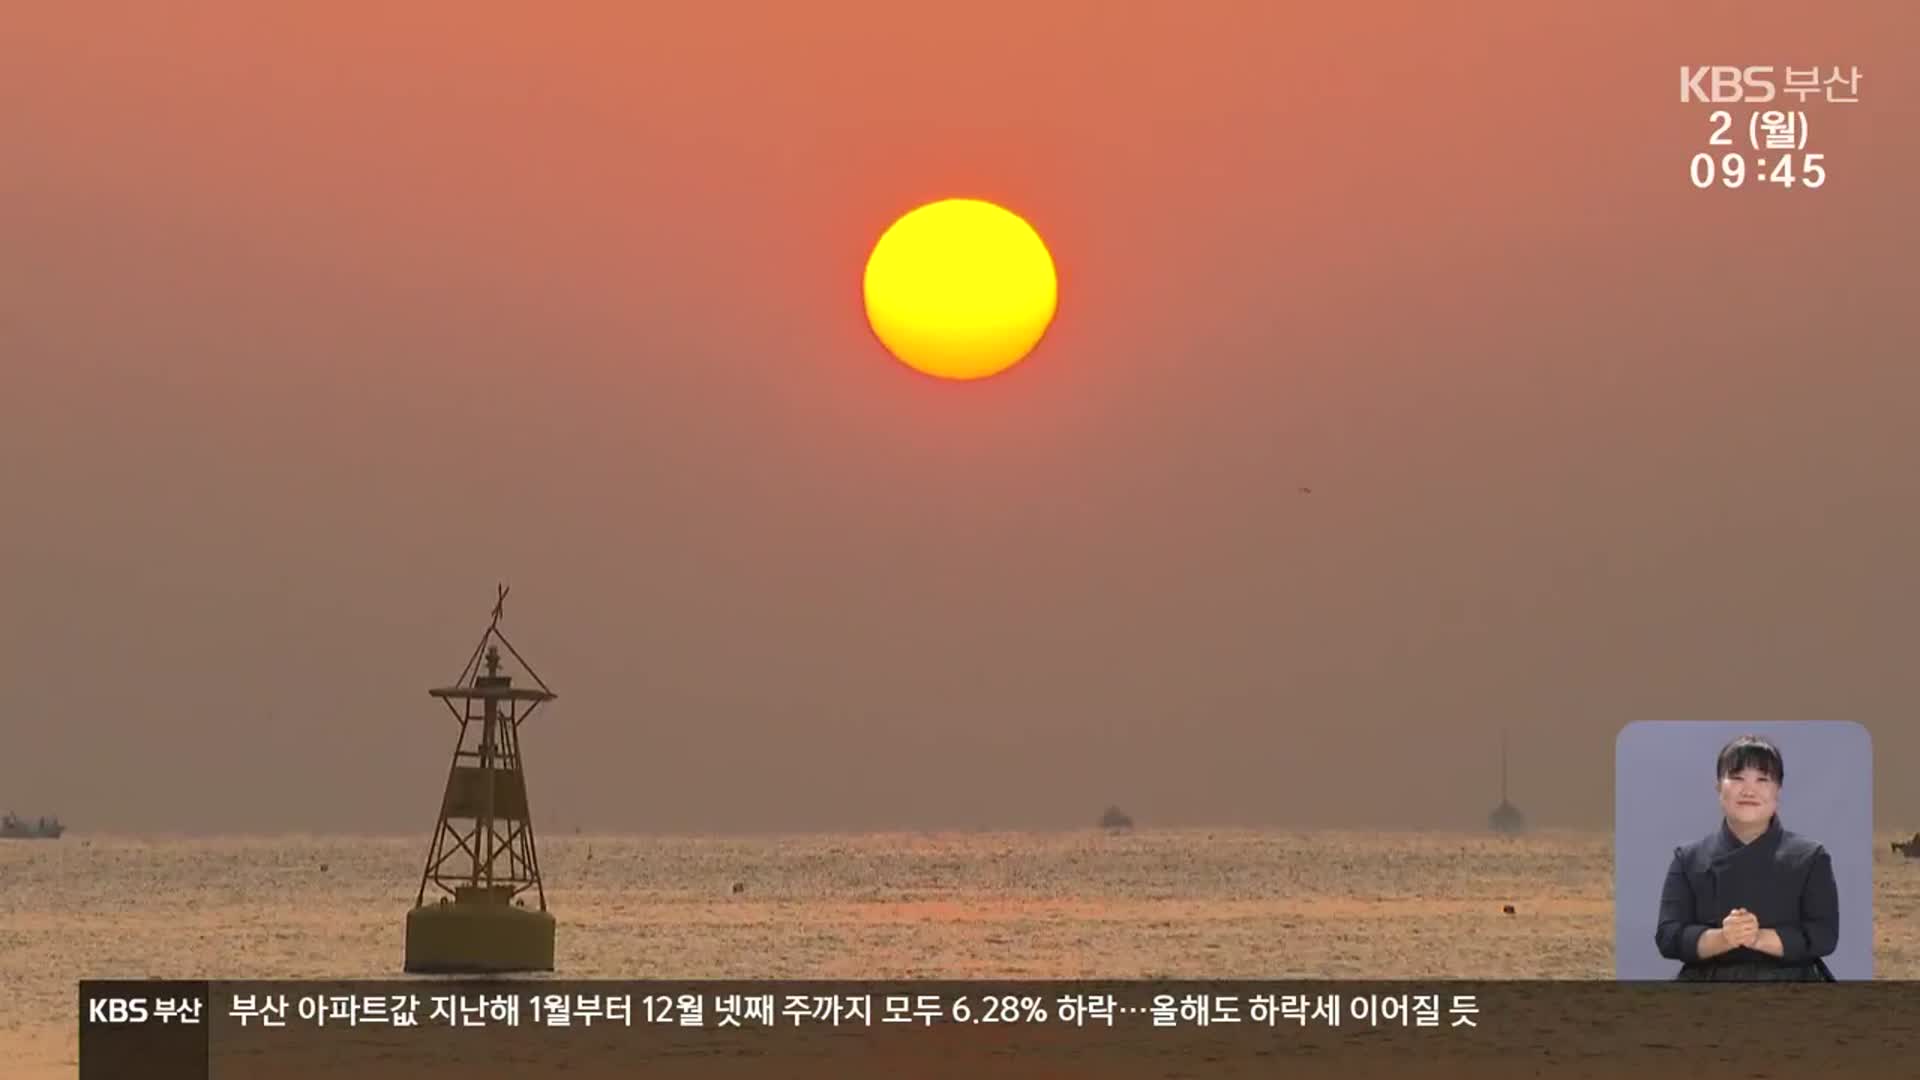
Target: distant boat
[
  {"x": 1505, "y": 818},
  {"x": 14, "y": 827}
]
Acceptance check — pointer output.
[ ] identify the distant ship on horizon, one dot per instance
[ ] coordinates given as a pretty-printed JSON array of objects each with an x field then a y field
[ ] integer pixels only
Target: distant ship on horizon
[
  {"x": 1505, "y": 818},
  {"x": 14, "y": 827}
]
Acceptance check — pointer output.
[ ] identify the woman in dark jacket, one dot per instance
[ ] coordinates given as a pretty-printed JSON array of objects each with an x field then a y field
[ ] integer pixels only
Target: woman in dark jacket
[{"x": 1751, "y": 900}]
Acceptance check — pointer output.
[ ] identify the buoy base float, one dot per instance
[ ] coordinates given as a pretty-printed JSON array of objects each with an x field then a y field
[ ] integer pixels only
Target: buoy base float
[{"x": 478, "y": 932}]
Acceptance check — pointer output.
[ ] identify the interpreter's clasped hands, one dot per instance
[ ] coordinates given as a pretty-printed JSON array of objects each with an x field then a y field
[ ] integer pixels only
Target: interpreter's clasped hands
[{"x": 1741, "y": 928}]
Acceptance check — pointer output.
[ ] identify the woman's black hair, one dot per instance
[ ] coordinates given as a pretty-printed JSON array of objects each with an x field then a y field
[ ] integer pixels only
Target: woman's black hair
[{"x": 1751, "y": 752}]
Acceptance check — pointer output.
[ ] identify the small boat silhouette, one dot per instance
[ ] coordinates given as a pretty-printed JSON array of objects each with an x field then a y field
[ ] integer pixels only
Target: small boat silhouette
[{"x": 14, "y": 827}]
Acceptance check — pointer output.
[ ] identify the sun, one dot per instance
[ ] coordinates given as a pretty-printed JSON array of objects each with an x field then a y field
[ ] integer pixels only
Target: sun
[{"x": 960, "y": 289}]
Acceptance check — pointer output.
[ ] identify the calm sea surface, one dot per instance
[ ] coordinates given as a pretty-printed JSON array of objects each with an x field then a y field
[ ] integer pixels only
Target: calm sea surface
[{"x": 1187, "y": 903}]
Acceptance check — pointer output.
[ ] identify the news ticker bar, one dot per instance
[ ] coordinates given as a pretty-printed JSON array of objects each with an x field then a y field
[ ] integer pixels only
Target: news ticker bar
[
  {"x": 124, "y": 1024},
  {"x": 281, "y": 1028},
  {"x": 189, "y": 1005}
]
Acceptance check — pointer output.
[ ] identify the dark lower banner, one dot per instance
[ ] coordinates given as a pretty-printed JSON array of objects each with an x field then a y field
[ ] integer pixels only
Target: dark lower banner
[{"x": 531, "y": 1027}]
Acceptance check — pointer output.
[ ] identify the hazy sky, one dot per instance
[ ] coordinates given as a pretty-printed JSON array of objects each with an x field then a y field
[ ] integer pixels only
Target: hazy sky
[{"x": 316, "y": 320}]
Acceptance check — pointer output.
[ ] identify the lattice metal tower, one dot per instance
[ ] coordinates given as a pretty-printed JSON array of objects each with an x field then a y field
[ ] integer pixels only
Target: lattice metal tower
[{"x": 483, "y": 857}]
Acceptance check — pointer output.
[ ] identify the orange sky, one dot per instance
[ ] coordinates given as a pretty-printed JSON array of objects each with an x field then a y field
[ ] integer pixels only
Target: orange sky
[{"x": 316, "y": 322}]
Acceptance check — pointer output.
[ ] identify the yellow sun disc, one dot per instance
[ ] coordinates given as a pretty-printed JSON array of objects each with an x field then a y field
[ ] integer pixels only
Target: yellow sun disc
[{"x": 960, "y": 289}]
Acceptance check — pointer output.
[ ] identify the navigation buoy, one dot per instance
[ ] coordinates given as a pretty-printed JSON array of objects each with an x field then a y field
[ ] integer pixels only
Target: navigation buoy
[{"x": 482, "y": 859}]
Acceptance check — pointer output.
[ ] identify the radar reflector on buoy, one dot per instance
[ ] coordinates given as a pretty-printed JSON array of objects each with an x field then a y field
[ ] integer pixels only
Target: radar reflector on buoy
[{"x": 482, "y": 864}]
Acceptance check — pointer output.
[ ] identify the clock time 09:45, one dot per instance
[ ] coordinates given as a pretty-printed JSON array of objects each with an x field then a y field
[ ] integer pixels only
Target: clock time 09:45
[{"x": 1730, "y": 170}]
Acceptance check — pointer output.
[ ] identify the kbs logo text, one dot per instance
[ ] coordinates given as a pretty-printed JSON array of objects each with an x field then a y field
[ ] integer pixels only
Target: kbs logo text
[
  {"x": 1720, "y": 85},
  {"x": 1726, "y": 84}
]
